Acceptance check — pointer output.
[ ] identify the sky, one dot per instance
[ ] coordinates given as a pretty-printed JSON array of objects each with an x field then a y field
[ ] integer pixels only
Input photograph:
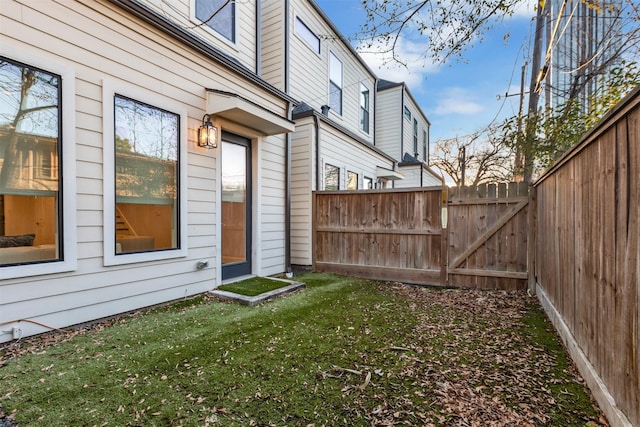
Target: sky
[{"x": 463, "y": 95}]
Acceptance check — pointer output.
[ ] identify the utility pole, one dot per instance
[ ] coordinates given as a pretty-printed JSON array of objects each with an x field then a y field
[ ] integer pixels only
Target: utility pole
[
  {"x": 518, "y": 165},
  {"x": 537, "y": 74}
]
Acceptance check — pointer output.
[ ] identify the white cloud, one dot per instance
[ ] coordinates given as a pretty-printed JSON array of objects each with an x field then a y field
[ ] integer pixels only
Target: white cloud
[
  {"x": 413, "y": 54},
  {"x": 458, "y": 100}
]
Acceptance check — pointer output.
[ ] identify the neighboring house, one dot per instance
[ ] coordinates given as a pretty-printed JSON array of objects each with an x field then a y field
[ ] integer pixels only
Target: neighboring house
[
  {"x": 333, "y": 146},
  {"x": 402, "y": 130},
  {"x": 109, "y": 201}
]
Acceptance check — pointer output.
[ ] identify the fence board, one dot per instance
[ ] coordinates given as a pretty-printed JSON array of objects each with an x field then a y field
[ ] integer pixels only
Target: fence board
[{"x": 587, "y": 260}]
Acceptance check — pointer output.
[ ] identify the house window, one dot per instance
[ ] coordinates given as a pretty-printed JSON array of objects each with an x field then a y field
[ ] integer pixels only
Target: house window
[
  {"x": 147, "y": 141},
  {"x": 415, "y": 138},
  {"x": 352, "y": 180},
  {"x": 331, "y": 177},
  {"x": 407, "y": 113},
  {"x": 425, "y": 144},
  {"x": 335, "y": 83},
  {"x": 307, "y": 35},
  {"x": 30, "y": 183},
  {"x": 218, "y": 15},
  {"x": 364, "y": 108},
  {"x": 367, "y": 183}
]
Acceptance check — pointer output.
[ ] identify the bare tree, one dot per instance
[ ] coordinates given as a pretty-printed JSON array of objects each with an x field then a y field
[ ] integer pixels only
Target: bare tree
[{"x": 475, "y": 159}]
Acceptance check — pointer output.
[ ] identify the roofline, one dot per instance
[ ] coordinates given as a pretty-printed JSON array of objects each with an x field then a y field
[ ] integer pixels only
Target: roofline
[
  {"x": 325, "y": 119},
  {"x": 406, "y": 88},
  {"x": 341, "y": 36},
  {"x": 161, "y": 23}
]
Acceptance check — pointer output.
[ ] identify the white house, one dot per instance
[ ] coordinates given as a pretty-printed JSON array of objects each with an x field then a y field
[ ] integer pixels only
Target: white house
[
  {"x": 108, "y": 202},
  {"x": 402, "y": 130}
]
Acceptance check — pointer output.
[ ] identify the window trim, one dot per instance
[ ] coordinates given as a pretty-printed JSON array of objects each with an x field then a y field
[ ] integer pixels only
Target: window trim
[
  {"x": 109, "y": 90},
  {"x": 332, "y": 82},
  {"x": 67, "y": 197},
  {"x": 236, "y": 27},
  {"x": 298, "y": 23},
  {"x": 415, "y": 138}
]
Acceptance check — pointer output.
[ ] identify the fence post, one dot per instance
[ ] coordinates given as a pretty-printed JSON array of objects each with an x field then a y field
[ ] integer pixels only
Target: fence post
[{"x": 532, "y": 233}]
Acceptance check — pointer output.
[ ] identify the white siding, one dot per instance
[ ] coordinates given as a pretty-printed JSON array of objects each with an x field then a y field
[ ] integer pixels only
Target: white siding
[
  {"x": 101, "y": 42},
  {"x": 389, "y": 121},
  {"x": 244, "y": 49},
  {"x": 302, "y": 184},
  {"x": 309, "y": 71},
  {"x": 430, "y": 179},
  {"x": 272, "y": 44}
]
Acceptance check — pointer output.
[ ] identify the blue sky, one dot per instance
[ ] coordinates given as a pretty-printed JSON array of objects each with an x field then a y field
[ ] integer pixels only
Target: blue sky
[{"x": 457, "y": 97}]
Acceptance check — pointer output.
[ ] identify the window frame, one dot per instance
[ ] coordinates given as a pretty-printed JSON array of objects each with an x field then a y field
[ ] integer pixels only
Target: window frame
[
  {"x": 110, "y": 90},
  {"x": 365, "y": 109},
  {"x": 357, "y": 177},
  {"x": 425, "y": 151},
  {"x": 415, "y": 137},
  {"x": 67, "y": 164},
  {"x": 299, "y": 24},
  {"x": 213, "y": 31},
  {"x": 331, "y": 82},
  {"x": 407, "y": 113},
  {"x": 370, "y": 181},
  {"x": 324, "y": 181}
]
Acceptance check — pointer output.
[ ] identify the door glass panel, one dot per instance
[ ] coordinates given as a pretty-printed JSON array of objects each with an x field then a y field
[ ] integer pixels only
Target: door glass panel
[{"x": 234, "y": 203}]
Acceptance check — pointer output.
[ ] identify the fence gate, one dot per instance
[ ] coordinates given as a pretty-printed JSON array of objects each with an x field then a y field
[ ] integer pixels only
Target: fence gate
[{"x": 487, "y": 230}]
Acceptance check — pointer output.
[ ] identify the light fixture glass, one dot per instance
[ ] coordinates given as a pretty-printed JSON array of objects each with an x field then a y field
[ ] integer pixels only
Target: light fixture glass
[{"x": 207, "y": 133}]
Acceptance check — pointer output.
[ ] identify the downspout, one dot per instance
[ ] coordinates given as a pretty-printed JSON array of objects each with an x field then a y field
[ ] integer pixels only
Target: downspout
[
  {"x": 375, "y": 109},
  {"x": 318, "y": 170},
  {"x": 258, "y": 37},
  {"x": 287, "y": 202},
  {"x": 402, "y": 124}
]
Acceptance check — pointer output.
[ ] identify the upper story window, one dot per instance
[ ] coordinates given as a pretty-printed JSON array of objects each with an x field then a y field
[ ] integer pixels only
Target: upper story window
[
  {"x": 307, "y": 35},
  {"x": 331, "y": 177},
  {"x": 415, "y": 138},
  {"x": 219, "y": 15},
  {"x": 31, "y": 229},
  {"x": 364, "y": 108},
  {"x": 147, "y": 144},
  {"x": 407, "y": 113},
  {"x": 335, "y": 83},
  {"x": 425, "y": 145}
]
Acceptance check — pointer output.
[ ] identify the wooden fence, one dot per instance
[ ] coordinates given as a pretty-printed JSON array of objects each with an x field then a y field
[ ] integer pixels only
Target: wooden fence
[
  {"x": 587, "y": 260},
  {"x": 381, "y": 234},
  {"x": 398, "y": 235},
  {"x": 488, "y": 236}
]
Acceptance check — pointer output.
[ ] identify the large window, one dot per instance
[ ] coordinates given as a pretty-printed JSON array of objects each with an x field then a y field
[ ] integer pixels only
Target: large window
[
  {"x": 367, "y": 183},
  {"x": 219, "y": 15},
  {"x": 30, "y": 164},
  {"x": 364, "y": 108},
  {"x": 307, "y": 35},
  {"x": 331, "y": 177},
  {"x": 335, "y": 83},
  {"x": 147, "y": 141}
]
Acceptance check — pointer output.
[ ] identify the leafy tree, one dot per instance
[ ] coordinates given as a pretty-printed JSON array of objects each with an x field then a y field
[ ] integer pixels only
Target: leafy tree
[{"x": 554, "y": 130}]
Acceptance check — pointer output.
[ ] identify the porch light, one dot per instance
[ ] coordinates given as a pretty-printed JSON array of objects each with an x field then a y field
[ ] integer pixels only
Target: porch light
[{"x": 207, "y": 133}]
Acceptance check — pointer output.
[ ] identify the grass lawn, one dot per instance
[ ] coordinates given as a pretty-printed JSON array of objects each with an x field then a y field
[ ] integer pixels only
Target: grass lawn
[
  {"x": 254, "y": 286},
  {"x": 346, "y": 352}
]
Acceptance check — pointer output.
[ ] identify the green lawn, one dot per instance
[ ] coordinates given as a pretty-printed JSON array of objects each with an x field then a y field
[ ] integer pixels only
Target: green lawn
[
  {"x": 346, "y": 352},
  {"x": 254, "y": 286}
]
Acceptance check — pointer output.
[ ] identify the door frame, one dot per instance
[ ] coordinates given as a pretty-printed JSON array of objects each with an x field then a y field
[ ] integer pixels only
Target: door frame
[{"x": 238, "y": 269}]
